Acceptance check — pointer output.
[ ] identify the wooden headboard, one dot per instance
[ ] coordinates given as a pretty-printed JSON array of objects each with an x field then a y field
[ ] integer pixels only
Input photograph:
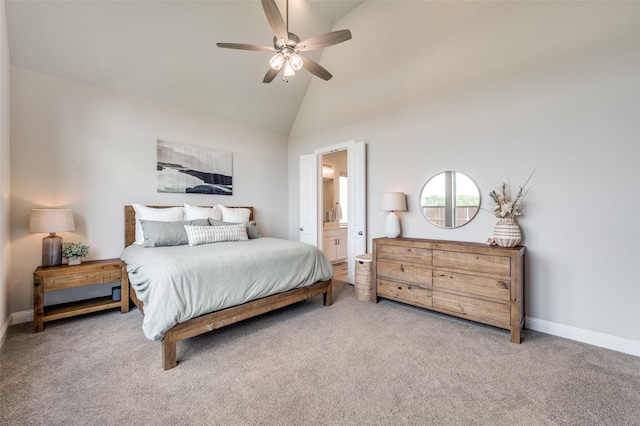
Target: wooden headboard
[{"x": 130, "y": 222}]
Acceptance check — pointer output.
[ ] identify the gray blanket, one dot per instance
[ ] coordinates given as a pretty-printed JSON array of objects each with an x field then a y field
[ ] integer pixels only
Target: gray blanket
[{"x": 182, "y": 282}]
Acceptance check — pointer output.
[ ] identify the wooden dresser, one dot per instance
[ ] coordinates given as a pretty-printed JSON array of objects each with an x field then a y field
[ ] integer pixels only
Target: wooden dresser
[{"x": 469, "y": 280}]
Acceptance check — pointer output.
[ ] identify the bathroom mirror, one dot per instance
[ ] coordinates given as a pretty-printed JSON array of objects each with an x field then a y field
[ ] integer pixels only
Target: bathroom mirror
[
  {"x": 450, "y": 199},
  {"x": 328, "y": 199}
]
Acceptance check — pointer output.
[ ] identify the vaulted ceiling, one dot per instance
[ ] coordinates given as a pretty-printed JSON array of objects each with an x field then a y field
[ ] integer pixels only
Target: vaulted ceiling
[{"x": 165, "y": 51}]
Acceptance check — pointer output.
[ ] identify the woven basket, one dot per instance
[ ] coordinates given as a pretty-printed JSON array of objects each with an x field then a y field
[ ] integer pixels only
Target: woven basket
[
  {"x": 507, "y": 233},
  {"x": 363, "y": 276}
]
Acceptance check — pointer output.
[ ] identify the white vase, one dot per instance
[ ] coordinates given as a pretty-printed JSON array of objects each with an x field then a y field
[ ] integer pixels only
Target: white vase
[
  {"x": 75, "y": 260},
  {"x": 507, "y": 232},
  {"x": 392, "y": 227}
]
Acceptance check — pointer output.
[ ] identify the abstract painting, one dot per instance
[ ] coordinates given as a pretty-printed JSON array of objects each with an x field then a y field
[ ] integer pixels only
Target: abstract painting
[{"x": 194, "y": 169}]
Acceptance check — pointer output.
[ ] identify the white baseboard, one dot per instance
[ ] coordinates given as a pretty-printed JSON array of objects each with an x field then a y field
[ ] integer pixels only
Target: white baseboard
[
  {"x": 620, "y": 344},
  {"x": 20, "y": 317},
  {"x": 14, "y": 318}
]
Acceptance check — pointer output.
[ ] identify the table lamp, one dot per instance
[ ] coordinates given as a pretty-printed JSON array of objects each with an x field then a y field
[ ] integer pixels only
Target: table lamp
[
  {"x": 51, "y": 221},
  {"x": 393, "y": 202}
]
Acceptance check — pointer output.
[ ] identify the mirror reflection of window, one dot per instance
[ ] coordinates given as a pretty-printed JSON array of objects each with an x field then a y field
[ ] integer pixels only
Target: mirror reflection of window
[
  {"x": 343, "y": 198},
  {"x": 450, "y": 199}
]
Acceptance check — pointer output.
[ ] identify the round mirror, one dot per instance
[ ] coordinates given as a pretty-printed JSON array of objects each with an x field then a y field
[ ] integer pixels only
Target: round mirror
[{"x": 450, "y": 199}]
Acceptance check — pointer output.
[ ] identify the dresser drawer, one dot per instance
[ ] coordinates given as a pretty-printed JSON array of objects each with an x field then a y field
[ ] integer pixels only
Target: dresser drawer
[
  {"x": 417, "y": 255},
  {"x": 403, "y": 271},
  {"x": 497, "y": 265},
  {"x": 482, "y": 286},
  {"x": 406, "y": 293},
  {"x": 474, "y": 309}
]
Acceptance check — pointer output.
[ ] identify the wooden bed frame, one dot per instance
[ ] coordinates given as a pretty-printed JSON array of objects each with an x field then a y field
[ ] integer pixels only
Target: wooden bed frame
[{"x": 218, "y": 319}]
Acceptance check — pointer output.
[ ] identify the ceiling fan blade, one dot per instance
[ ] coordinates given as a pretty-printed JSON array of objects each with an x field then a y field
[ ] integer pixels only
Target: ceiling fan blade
[
  {"x": 242, "y": 46},
  {"x": 324, "y": 40},
  {"x": 315, "y": 68},
  {"x": 275, "y": 19},
  {"x": 270, "y": 75}
]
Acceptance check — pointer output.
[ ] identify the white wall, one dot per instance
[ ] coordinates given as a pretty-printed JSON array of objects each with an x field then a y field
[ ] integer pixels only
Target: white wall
[
  {"x": 4, "y": 173},
  {"x": 496, "y": 90},
  {"x": 94, "y": 151}
]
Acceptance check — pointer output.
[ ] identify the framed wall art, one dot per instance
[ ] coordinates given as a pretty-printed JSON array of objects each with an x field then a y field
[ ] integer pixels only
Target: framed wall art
[{"x": 194, "y": 169}]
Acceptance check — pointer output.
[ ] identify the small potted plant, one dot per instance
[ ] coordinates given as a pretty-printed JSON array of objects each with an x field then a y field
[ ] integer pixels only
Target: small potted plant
[{"x": 74, "y": 252}]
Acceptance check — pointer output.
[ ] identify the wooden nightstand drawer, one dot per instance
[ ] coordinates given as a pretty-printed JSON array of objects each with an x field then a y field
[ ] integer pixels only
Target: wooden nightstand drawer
[
  {"x": 113, "y": 275},
  {"x": 75, "y": 280}
]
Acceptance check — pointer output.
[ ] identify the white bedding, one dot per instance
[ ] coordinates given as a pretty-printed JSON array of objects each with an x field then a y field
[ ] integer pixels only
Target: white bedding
[{"x": 178, "y": 283}]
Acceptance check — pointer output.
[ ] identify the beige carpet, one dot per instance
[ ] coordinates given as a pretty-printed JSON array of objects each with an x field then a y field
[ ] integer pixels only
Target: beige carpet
[{"x": 354, "y": 363}]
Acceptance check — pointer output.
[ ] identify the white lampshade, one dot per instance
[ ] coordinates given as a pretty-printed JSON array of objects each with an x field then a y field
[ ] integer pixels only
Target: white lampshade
[
  {"x": 51, "y": 220},
  {"x": 393, "y": 201}
]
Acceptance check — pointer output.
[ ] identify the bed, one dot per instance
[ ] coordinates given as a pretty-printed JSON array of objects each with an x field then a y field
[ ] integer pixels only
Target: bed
[{"x": 186, "y": 306}]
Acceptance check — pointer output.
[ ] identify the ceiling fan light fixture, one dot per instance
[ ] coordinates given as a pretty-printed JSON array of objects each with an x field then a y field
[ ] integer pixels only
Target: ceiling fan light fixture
[
  {"x": 289, "y": 71},
  {"x": 287, "y": 46},
  {"x": 277, "y": 61},
  {"x": 296, "y": 61}
]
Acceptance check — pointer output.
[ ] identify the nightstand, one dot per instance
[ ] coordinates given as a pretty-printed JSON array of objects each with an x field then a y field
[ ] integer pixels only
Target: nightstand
[{"x": 92, "y": 272}]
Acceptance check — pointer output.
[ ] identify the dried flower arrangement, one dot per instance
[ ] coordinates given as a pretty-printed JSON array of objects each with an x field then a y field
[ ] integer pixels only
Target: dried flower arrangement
[
  {"x": 70, "y": 250},
  {"x": 505, "y": 208}
]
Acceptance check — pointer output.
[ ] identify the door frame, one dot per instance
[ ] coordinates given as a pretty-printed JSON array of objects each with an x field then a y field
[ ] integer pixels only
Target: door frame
[{"x": 357, "y": 211}]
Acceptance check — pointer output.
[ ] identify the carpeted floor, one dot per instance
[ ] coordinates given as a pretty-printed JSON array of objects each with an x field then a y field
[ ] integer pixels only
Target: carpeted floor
[{"x": 354, "y": 363}]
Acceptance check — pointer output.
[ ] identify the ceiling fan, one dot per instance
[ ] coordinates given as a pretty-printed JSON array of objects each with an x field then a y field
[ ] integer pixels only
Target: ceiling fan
[{"x": 288, "y": 46}]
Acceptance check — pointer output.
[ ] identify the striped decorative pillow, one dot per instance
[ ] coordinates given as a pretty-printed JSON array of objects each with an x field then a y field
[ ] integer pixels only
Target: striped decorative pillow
[{"x": 215, "y": 234}]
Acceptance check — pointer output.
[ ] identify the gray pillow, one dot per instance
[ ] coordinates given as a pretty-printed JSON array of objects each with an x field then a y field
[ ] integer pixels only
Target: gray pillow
[
  {"x": 252, "y": 227},
  {"x": 158, "y": 234}
]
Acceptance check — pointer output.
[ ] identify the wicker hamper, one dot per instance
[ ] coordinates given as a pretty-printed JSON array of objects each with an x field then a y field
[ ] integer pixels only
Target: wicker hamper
[{"x": 363, "y": 276}]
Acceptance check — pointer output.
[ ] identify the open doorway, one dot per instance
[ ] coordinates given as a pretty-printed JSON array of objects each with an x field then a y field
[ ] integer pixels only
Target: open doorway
[
  {"x": 312, "y": 211},
  {"x": 335, "y": 206}
]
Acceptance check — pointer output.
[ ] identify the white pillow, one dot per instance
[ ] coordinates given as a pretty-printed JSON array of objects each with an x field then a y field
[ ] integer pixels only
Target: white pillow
[
  {"x": 170, "y": 214},
  {"x": 234, "y": 214},
  {"x": 216, "y": 234},
  {"x": 195, "y": 212}
]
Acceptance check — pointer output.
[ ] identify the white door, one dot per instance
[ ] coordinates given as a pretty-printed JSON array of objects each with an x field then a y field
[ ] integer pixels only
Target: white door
[
  {"x": 309, "y": 199},
  {"x": 357, "y": 214},
  {"x": 357, "y": 199}
]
